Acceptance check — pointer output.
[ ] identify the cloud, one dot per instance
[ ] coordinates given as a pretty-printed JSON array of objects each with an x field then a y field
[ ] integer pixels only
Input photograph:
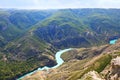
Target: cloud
[{"x": 53, "y": 4}]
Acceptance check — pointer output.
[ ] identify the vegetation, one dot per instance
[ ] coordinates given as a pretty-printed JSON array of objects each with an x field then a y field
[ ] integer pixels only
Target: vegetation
[{"x": 79, "y": 27}]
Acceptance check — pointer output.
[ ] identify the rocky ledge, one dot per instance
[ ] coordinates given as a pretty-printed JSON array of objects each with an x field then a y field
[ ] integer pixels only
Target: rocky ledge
[{"x": 114, "y": 73}]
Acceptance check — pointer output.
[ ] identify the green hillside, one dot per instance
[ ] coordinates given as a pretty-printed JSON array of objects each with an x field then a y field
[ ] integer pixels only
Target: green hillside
[
  {"x": 77, "y": 28},
  {"x": 14, "y": 23}
]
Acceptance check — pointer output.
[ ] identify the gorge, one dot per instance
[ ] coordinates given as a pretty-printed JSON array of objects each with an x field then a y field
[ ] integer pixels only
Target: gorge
[{"x": 30, "y": 39}]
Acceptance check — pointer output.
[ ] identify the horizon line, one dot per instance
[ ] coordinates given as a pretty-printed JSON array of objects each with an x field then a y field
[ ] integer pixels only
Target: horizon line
[{"x": 55, "y": 8}]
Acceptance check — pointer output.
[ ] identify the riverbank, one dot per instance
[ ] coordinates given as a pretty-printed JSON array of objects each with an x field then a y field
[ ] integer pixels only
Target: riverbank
[{"x": 59, "y": 61}]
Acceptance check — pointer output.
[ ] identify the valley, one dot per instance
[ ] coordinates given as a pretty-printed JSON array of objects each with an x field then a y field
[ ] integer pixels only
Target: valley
[{"x": 29, "y": 39}]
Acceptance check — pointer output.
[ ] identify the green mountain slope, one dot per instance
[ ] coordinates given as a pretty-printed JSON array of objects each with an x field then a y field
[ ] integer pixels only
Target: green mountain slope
[
  {"x": 14, "y": 23},
  {"x": 77, "y": 28},
  {"x": 20, "y": 50},
  {"x": 24, "y": 55}
]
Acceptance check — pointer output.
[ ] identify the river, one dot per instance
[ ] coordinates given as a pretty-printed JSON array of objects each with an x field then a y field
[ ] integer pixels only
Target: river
[
  {"x": 113, "y": 41},
  {"x": 59, "y": 61}
]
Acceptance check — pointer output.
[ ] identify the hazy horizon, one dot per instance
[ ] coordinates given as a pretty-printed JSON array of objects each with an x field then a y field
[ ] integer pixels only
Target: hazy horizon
[
  {"x": 52, "y": 9},
  {"x": 59, "y": 4}
]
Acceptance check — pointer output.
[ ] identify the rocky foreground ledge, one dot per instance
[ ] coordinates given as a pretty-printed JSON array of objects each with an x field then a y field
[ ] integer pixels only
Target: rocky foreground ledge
[
  {"x": 115, "y": 69},
  {"x": 113, "y": 72}
]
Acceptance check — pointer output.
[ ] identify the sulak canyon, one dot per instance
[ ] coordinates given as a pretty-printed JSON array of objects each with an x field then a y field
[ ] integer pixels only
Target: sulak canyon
[{"x": 60, "y": 44}]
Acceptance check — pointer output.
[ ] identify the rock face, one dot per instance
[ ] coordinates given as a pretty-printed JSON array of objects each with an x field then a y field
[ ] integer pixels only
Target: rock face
[
  {"x": 92, "y": 75},
  {"x": 114, "y": 73}
]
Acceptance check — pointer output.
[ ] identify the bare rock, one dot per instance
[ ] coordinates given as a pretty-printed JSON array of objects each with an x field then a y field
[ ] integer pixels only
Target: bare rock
[
  {"x": 92, "y": 75},
  {"x": 114, "y": 73}
]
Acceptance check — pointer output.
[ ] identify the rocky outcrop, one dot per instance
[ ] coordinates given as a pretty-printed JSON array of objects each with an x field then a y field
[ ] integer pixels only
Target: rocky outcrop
[
  {"x": 114, "y": 73},
  {"x": 92, "y": 75}
]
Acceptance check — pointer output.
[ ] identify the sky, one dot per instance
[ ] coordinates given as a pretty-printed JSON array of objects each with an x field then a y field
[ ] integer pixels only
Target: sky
[{"x": 59, "y": 4}]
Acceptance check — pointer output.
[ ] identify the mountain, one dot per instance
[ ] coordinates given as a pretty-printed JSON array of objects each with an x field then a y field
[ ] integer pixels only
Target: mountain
[
  {"x": 19, "y": 48},
  {"x": 13, "y": 23},
  {"x": 30, "y": 38},
  {"x": 76, "y": 28}
]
